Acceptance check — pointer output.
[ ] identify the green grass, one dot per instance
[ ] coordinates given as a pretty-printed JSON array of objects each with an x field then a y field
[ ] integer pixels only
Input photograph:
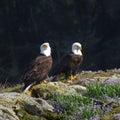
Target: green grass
[
  {"x": 69, "y": 104},
  {"x": 87, "y": 113},
  {"x": 98, "y": 90}
]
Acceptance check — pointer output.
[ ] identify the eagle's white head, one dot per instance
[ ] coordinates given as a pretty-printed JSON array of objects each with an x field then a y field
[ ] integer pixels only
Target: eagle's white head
[
  {"x": 77, "y": 48},
  {"x": 45, "y": 49}
]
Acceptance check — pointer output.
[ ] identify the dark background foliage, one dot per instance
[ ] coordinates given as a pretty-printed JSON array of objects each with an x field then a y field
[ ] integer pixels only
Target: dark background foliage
[{"x": 25, "y": 24}]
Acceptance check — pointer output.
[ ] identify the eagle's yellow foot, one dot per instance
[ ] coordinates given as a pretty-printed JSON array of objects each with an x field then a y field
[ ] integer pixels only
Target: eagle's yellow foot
[{"x": 73, "y": 77}]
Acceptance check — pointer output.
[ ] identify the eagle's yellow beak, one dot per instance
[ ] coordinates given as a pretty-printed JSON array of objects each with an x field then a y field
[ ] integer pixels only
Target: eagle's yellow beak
[{"x": 79, "y": 48}]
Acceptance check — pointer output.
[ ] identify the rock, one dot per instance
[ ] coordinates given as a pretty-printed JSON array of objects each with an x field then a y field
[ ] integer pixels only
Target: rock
[
  {"x": 80, "y": 89},
  {"x": 95, "y": 118},
  {"x": 102, "y": 79},
  {"x": 47, "y": 90},
  {"x": 12, "y": 103},
  {"x": 63, "y": 95},
  {"x": 113, "y": 80},
  {"x": 114, "y": 70},
  {"x": 116, "y": 116},
  {"x": 7, "y": 113},
  {"x": 85, "y": 81}
]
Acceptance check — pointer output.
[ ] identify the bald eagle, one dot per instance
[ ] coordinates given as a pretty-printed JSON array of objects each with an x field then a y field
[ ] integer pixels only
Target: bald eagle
[
  {"x": 70, "y": 63},
  {"x": 38, "y": 70}
]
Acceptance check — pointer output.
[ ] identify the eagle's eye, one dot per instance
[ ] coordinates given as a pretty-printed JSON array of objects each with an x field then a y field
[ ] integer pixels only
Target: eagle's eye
[{"x": 45, "y": 46}]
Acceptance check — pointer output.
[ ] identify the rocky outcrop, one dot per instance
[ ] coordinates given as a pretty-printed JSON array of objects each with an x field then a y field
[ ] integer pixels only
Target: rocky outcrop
[
  {"x": 93, "y": 95},
  {"x": 51, "y": 88},
  {"x": 94, "y": 23},
  {"x": 14, "y": 106},
  {"x": 7, "y": 113}
]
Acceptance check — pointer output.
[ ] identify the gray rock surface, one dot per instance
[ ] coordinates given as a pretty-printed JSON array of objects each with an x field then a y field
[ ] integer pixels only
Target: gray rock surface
[{"x": 12, "y": 102}]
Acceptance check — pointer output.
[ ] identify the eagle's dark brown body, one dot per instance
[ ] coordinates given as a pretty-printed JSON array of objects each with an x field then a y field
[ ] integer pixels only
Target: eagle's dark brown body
[
  {"x": 69, "y": 65},
  {"x": 37, "y": 71}
]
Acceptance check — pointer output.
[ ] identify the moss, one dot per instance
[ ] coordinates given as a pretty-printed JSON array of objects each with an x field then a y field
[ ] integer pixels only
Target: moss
[
  {"x": 54, "y": 116},
  {"x": 60, "y": 77},
  {"x": 43, "y": 91},
  {"x": 47, "y": 90},
  {"x": 71, "y": 106},
  {"x": 23, "y": 115},
  {"x": 16, "y": 88},
  {"x": 110, "y": 115},
  {"x": 96, "y": 74}
]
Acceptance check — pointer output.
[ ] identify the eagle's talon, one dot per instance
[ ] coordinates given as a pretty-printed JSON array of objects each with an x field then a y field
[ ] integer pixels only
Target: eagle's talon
[{"x": 73, "y": 77}]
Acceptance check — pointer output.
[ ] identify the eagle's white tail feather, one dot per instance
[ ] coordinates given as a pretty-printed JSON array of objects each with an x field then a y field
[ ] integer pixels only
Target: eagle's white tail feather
[{"x": 27, "y": 88}]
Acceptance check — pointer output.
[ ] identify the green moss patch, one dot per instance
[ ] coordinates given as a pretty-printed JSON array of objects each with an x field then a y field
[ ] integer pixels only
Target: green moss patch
[{"x": 15, "y": 88}]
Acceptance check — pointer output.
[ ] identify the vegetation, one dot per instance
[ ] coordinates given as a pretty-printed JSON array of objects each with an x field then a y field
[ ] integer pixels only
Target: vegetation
[
  {"x": 84, "y": 107},
  {"x": 15, "y": 88},
  {"x": 25, "y": 24},
  {"x": 101, "y": 100},
  {"x": 69, "y": 104},
  {"x": 25, "y": 116},
  {"x": 98, "y": 91}
]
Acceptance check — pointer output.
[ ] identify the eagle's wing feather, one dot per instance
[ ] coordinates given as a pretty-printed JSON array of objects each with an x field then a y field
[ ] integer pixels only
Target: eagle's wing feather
[
  {"x": 64, "y": 64},
  {"x": 69, "y": 64},
  {"x": 37, "y": 70}
]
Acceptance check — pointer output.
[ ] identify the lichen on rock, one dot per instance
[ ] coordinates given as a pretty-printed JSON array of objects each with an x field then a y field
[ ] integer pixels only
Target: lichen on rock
[
  {"x": 7, "y": 113},
  {"x": 47, "y": 90},
  {"x": 11, "y": 103},
  {"x": 62, "y": 100}
]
